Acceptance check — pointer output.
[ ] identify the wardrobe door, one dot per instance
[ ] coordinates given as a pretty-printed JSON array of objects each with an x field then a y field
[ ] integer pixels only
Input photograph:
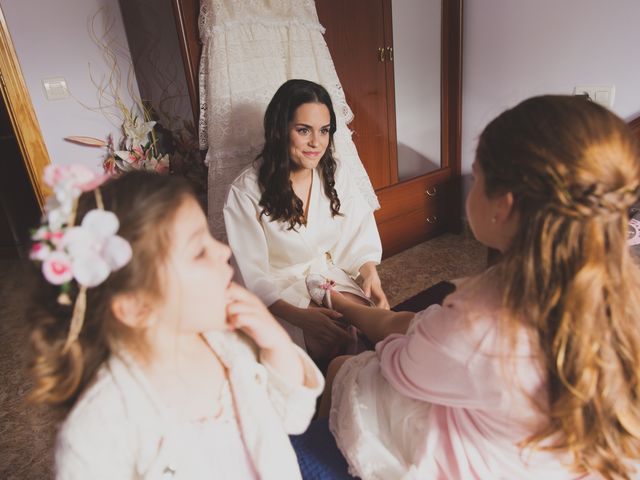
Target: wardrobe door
[
  {"x": 355, "y": 34},
  {"x": 425, "y": 201}
]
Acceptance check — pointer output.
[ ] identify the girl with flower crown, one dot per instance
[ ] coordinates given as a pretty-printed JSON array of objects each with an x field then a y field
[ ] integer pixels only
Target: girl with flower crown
[
  {"x": 155, "y": 376},
  {"x": 530, "y": 370}
]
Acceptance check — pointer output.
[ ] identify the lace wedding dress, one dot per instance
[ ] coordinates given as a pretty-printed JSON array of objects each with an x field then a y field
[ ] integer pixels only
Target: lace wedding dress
[{"x": 250, "y": 48}]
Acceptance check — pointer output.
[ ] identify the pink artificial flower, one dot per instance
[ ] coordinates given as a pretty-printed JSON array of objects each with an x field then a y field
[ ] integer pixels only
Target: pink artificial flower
[
  {"x": 41, "y": 233},
  {"x": 39, "y": 251},
  {"x": 55, "y": 237},
  {"x": 96, "y": 182},
  {"x": 163, "y": 164},
  {"x": 57, "y": 268},
  {"x": 67, "y": 175},
  {"x": 139, "y": 151},
  {"x": 110, "y": 166}
]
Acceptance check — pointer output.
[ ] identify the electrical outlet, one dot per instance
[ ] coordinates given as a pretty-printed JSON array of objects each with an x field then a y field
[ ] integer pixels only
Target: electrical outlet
[
  {"x": 602, "y": 94},
  {"x": 55, "y": 88}
]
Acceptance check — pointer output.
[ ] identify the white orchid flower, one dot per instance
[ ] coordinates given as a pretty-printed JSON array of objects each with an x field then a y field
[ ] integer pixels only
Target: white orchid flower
[
  {"x": 95, "y": 249},
  {"x": 138, "y": 131}
]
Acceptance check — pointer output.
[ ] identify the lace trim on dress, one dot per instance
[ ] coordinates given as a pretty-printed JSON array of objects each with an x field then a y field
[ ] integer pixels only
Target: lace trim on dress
[{"x": 207, "y": 31}]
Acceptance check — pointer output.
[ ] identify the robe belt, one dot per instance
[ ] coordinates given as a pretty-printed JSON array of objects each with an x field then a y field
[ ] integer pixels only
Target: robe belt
[{"x": 319, "y": 264}]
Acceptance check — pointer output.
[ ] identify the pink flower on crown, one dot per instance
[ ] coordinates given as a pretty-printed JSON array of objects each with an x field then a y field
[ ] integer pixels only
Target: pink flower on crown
[
  {"x": 67, "y": 182},
  {"x": 57, "y": 268},
  {"x": 95, "y": 249},
  {"x": 40, "y": 252},
  {"x": 72, "y": 179},
  {"x": 68, "y": 176},
  {"x": 42, "y": 233}
]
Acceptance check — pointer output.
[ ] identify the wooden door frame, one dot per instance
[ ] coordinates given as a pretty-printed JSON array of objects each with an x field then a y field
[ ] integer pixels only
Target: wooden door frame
[
  {"x": 186, "y": 13},
  {"x": 23, "y": 118},
  {"x": 451, "y": 105}
]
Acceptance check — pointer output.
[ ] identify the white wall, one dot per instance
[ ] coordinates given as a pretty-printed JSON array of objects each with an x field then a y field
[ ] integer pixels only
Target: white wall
[
  {"x": 416, "y": 45},
  {"x": 514, "y": 49},
  {"x": 51, "y": 39}
]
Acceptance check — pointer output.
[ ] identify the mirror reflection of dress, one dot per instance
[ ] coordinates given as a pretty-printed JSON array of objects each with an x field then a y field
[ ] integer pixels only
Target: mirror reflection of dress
[{"x": 249, "y": 49}]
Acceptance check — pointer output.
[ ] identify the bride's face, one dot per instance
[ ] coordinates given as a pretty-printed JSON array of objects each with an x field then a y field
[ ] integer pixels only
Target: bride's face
[{"x": 309, "y": 134}]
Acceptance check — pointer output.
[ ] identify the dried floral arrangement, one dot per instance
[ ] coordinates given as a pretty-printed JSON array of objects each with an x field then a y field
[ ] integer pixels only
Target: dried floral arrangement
[{"x": 145, "y": 142}]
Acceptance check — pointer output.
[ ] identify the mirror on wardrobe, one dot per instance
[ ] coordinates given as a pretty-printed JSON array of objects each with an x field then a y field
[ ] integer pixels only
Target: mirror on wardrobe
[
  {"x": 399, "y": 62},
  {"x": 416, "y": 34},
  {"x": 388, "y": 56}
]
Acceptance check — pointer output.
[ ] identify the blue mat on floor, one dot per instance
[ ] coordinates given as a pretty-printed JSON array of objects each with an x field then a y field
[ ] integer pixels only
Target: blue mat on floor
[{"x": 318, "y": 454}]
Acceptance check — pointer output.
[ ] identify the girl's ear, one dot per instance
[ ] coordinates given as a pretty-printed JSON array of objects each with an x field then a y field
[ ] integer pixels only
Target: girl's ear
[
  {"x": 132, "y": 309},
  {"x": 504, "y": 208}
]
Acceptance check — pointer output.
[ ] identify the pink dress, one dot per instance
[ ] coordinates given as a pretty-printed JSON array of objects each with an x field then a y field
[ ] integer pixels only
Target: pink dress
[{"x": 442, "y": 402}]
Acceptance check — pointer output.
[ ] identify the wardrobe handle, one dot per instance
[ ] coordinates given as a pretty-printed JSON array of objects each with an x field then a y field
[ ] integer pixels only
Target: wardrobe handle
[
  {"x": 390, "y": 53},
  {"x": 381, "y": 54},
  {"x": 431, "y": 191},
  {"x": 432, "y": 219}
]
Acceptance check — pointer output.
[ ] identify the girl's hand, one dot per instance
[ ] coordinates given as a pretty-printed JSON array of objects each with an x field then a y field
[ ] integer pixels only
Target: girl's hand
[
  {"x": 324, "y": 336},
  {"x": 246, "y": 312},
  {"x": 372, "y": 286}
]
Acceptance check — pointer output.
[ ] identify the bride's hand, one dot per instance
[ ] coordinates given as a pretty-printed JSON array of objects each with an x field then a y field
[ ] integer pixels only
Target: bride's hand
[
  {"x": 372, "y": 286},
  {"x": 324, "y": 335}
]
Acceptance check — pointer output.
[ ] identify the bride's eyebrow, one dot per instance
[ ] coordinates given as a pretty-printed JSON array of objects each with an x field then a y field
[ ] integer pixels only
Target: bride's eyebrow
[{"x": 328, "y": 125}]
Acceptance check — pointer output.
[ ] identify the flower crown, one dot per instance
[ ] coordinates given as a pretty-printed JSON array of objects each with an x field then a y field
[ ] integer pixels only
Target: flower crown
[{"x": 85, "y": 253}]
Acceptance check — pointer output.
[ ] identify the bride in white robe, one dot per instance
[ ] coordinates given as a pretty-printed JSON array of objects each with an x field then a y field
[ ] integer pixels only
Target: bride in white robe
[{"x": 273, "y": 258}]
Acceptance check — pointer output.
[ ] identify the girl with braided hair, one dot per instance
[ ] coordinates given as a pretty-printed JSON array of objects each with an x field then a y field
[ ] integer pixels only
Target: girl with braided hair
[
  {"x": 297, "y": 211},
  {"x": 531, "y": 369}
]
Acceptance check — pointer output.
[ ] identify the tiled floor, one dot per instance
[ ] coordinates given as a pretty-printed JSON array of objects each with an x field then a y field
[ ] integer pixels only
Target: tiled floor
[{"x": 26, "y": 432}]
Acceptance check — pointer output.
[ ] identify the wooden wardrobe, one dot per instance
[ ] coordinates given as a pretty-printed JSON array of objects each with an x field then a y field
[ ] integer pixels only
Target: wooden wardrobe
[{"x": 411, "y": 210}]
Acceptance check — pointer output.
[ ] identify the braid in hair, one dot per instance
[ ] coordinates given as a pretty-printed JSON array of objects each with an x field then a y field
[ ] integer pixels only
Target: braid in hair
[
  {"x": 328, "y": 168},
  {"x": 573, "y": 168}
]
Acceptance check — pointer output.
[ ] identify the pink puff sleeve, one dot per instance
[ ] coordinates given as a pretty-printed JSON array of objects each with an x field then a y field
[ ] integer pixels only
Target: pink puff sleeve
[{"x": 443, "y": 359}]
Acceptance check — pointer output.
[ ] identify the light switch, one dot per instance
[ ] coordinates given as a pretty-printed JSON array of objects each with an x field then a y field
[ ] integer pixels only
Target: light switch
[{"x": 55, "y": 88}]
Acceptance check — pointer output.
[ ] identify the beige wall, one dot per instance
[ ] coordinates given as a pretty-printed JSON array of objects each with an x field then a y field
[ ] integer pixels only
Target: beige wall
[{"x": 51, "y": 39}]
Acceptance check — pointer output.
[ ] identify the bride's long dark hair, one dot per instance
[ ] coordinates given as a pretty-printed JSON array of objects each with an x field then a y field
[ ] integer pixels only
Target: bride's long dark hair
[{"x": 278, "y": 201}]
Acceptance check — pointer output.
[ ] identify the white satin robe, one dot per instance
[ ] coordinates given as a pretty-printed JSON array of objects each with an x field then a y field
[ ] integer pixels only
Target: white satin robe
[{"x": 274, "y": 261}]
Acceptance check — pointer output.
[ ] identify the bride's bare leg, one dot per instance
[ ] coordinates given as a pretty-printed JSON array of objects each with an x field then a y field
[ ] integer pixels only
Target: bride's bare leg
[
  {"x": 325, "y": 400},
  {"x": 375, "y": 323}
]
